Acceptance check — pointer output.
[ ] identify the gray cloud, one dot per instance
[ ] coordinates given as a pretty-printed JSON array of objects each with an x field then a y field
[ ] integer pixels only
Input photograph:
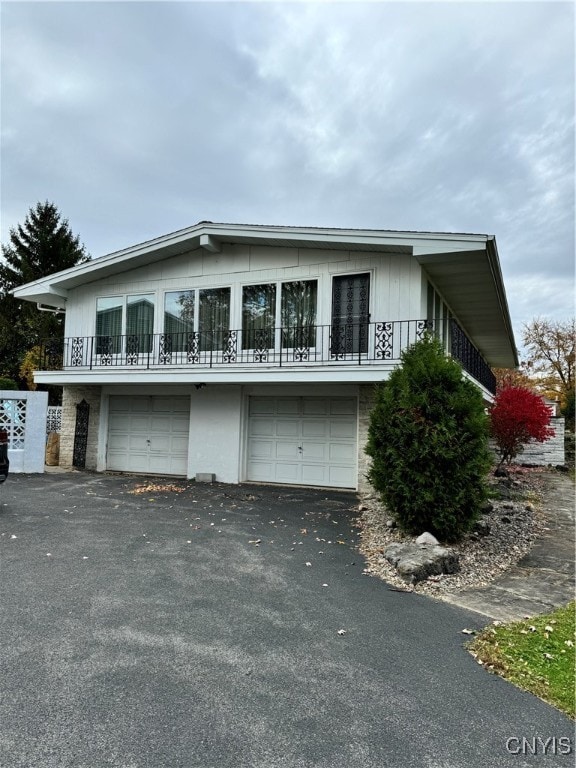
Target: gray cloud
[{"x": 140, "y": 118}]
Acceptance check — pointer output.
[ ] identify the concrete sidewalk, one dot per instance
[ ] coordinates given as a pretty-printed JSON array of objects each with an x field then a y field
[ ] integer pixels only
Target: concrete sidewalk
[{"x": 544, "y": 578}]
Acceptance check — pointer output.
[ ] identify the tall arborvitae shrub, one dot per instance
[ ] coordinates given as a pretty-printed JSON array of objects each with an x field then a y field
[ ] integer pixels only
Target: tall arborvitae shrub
[{"x": 428, "y": 442}]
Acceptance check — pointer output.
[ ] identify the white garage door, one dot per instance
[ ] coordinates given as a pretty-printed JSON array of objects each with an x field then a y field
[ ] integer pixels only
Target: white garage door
[
  {"x": 148, "y": 434},
  {"x": 303, "y": 441}
]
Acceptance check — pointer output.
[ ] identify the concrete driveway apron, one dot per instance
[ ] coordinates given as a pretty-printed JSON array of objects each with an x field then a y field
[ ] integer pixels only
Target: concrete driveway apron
[{"x": 203, "y": 628}]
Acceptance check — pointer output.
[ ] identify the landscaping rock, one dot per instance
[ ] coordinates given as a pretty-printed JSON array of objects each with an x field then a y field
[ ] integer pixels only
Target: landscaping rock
[
  {"x": 391, "y": 523},
  {"x": 487, "y": 508},
  {"x": 427, "y": 538},
  {"x": 481, "y": 528},
  {"x": 416, "y": 562}
]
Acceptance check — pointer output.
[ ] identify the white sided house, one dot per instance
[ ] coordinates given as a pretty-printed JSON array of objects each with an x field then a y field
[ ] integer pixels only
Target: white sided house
[{"x": 250, "y": 352}]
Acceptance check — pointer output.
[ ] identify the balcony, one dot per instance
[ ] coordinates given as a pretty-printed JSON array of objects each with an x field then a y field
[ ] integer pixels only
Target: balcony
[{"x": 304, "y": 346}]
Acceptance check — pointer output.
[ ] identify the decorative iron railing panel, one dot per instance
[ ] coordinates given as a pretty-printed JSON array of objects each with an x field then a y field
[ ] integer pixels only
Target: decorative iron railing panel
[
  {"x": 326, "y": 345},
  {"x": 462, "y": 349}
]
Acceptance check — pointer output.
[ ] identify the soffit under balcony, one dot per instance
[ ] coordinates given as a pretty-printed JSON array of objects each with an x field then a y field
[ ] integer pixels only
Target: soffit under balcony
[{"x": 471, "y": 284}]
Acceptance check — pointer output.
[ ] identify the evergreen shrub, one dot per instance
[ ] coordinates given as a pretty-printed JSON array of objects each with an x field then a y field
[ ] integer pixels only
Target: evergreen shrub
[
  {"x": 6, "y": 383},
  {"x": 428, "y": 439}
]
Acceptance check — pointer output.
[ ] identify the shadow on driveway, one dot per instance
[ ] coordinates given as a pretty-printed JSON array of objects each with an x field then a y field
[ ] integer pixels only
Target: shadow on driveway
[{"x": 152, "y": 628}]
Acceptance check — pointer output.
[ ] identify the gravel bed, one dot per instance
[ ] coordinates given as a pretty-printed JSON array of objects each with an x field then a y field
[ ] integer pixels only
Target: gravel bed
[{"x": 515, "y": 523}]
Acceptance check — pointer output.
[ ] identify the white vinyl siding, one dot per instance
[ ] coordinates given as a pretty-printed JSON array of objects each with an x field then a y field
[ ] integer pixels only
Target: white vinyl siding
[{"x": 396, "y": 281}]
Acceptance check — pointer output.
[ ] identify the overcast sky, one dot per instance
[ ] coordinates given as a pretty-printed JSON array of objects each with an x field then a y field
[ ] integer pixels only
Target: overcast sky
[{"x": 140, "y": 118}]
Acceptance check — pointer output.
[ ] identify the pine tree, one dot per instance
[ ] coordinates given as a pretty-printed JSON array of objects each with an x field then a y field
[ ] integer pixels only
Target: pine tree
[{"x": 43, "y": 244}]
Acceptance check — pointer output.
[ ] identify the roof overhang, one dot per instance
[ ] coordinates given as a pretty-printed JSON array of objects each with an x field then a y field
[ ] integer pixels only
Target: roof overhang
[
  {"x": 472, "y": 285},
  {"x": 464, "y": 267}
]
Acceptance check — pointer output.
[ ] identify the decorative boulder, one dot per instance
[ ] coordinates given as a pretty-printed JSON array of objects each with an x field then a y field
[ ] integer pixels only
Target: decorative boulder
[
  {"x": 416, "y": 562},
  {"x": 427, "y": 538}
]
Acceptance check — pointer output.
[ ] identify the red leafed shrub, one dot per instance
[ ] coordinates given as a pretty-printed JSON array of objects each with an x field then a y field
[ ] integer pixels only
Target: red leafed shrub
[{"x": 518, "y": 416}]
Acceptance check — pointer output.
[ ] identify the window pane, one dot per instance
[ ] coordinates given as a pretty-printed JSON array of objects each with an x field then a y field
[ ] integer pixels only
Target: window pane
[
  {"x": 109, "y": 325},
  {"x": 179, "y": 317},
  {"x": 299, "y": 313},
  {"x": 258, "y": 316},
  {"x": 140, "y": 320},
  {"x": 214, "y": 318}
]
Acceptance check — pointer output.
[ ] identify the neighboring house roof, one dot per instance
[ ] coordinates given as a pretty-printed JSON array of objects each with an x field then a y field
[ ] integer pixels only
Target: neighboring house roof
[{"x": 464, "y": 267}]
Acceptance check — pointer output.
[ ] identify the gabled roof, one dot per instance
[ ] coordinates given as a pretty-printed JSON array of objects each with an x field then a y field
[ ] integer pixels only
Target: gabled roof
[{"x": 464, "y": 267}]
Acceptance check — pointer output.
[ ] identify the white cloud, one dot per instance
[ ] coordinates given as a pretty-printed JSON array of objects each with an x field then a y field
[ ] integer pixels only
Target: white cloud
[{"x": 137, "y": 119}]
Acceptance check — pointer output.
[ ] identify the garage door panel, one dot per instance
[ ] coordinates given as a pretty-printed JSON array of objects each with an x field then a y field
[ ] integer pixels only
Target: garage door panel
[
  {"x": 287, "y": 406},
  {"x": 341, "y": 452},
  {"x": 261, "y": 470},
  {"x": 179, "y": 445},
  {"x": 314, "y": 474},
  {"x": 314, "y": 451},
  {"x": 148, "y": 434},
  {"x": 287, "y": 473},
  {"x": 118, "y": 442},
  {"x": 343, "y": 407},
  {"x": 137, "y": 443},
  {"x": 139, "y": 423},
  {"x": 286, "y": 428},
  {"x": 121, "y": 422},
  {"x": 261, "y": 449},
  {"x": 263, "y": 427},
  {"x": 170, "y": 405},
  {"x": 160, "y": 443},
  {"x": 119, "y": 403},
  {"x": 325, "y": 429},
  {"x": 314, "y": 407},
  {"x": 261, "y": 405},
  {"x": 341, "y": 477},
  {"x": 137, "y": 404},
  {"x": 287, "y": 450},
  {"x": 314, "y": 428},
  {"x": 343, "y": 430}
]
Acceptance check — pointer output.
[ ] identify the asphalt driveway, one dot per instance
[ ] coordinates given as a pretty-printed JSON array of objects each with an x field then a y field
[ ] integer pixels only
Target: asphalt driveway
[{"x": 166, "y": 629}]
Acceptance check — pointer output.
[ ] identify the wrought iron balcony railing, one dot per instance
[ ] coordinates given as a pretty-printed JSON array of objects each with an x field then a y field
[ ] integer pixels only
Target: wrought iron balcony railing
[{"x": 313, "y": 345}]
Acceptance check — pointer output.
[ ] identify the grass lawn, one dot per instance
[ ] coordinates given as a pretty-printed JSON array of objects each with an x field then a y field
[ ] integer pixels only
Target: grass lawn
[{"x": 537, "y": 655}]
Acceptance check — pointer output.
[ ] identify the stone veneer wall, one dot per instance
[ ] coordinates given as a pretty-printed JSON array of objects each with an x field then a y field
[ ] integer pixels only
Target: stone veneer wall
[
  {"x": 365, "y": 405},
  {"x": 71, "y": 396},
  {"x": 550, "y": 452}
]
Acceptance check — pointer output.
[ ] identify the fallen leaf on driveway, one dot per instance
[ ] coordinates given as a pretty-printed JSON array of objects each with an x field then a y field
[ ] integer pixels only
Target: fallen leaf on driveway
[
  {"x": 341, "y": 631},
  {"x": 255, "y": 541},
  {"x": 467, "y": 631},
  {"x": 309, "y": 565}
]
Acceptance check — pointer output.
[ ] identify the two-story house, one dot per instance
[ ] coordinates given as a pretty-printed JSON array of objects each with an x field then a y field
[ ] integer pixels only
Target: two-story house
[{"x": 251, "y": 352}]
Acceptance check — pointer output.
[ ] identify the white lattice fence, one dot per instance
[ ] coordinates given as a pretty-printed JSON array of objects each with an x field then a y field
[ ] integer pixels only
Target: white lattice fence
[
  {"x": 13, "y": 420},
  {"x": 23, "y": 416},
  {"x": 54, "y": 419}
]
